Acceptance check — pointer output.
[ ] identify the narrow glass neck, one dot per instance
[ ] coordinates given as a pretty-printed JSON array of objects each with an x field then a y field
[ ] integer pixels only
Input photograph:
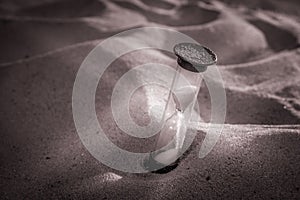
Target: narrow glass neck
[{"x": 184, "y": 90}]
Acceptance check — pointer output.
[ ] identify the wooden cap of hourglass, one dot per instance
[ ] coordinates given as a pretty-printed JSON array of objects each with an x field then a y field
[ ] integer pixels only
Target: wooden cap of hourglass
[{"x": 194, "y": 57}]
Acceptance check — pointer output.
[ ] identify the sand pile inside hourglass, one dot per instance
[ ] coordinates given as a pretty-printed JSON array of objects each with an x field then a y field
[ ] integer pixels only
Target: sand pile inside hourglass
[{"x": 175, "y": 125}]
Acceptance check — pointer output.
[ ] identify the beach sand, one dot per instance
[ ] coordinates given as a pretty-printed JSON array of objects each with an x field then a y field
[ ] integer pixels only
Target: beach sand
[{"x": 43, "y": 44}]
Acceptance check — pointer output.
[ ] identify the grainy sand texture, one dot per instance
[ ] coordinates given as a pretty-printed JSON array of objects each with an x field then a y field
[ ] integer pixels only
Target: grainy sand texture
[{"x": 43, "y": 43}]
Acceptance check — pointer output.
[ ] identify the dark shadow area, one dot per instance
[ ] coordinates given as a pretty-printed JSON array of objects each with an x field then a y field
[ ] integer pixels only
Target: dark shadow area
[
  {"x": 150, "y": 164},
  {"x": 186, "y": 15},
  {"x": 23, "y": 39},
  {"x": 288, "y": 6},
  {"x": 243, "y": 108},
  {"x": 290, "y": 91},
  {"x": 159, "y": 4},
  {"x": 66, "y": 9},
  {"x": 278, "y": 39}
]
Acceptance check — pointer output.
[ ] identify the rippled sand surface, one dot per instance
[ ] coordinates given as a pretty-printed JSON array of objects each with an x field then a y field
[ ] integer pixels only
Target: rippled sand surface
[{"x": 42, "y": 46}]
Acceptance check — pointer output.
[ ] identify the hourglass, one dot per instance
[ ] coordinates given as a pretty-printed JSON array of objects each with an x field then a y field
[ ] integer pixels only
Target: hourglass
[{"x": 192, "y": 59}]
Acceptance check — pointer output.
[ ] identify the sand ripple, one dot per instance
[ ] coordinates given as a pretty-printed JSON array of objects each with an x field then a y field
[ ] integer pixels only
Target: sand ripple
[{"x": 42, "y": 46}]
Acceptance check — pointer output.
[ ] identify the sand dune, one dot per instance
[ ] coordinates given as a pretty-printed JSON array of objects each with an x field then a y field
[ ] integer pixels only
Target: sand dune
[{"x": 43, "y": 45}]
